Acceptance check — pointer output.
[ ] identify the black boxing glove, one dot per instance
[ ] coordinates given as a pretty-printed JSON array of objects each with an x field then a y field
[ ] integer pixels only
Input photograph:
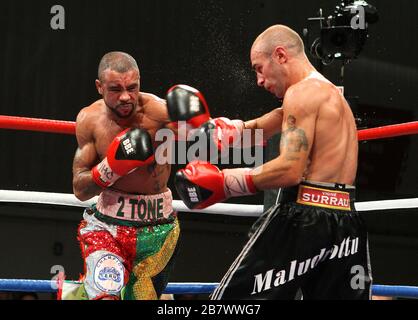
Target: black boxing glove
[
  {"x": 186, "y": 104},
  {"x": 132, "y": 148}
]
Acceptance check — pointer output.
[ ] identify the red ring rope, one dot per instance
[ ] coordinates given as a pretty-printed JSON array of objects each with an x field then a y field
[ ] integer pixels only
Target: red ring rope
[
  {"x": 68, "y": 127},
  {"x": 32, "y": 124},
  {"x": 394, "y": 130}
]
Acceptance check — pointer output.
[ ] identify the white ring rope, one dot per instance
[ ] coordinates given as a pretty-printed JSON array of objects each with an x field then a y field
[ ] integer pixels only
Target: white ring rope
[{"x": 66, "y": 199}]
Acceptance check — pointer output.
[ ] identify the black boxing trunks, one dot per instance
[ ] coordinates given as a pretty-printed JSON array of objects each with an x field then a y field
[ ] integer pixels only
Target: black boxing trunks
[{"x": 312, "y": 242}]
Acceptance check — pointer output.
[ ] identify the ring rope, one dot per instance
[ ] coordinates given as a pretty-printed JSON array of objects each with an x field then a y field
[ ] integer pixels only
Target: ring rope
[
  {"x": 41, "y": 125},
  {"x": 232, "y": 209},
  {"x": 50, "y": 286},
  {"x": 66, "y": 199},
  {"x": 395, "y": 130},
  {"x": 68, "y": 127}
]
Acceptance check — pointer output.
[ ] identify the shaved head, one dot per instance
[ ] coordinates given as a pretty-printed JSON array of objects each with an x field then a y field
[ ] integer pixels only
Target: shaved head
[
  {"x": 279, "y": 35},
  {"x": 279, "y": 60},
  {"x": 118, "y": 61}
]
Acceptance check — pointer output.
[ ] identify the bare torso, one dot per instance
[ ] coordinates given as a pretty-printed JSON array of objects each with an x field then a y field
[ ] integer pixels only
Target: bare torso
[
  {"x": 150, "y": 116},
  {"x": 333, "y": 155}
]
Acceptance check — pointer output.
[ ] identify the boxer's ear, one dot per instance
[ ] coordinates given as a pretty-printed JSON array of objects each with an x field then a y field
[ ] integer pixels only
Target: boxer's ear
[
  {"x": 279, "y": 54},
  {"x": 99, "y": 86}
]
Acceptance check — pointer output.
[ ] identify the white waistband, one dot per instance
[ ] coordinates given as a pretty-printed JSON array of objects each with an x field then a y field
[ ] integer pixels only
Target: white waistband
[{"x": 145, "y": 209}]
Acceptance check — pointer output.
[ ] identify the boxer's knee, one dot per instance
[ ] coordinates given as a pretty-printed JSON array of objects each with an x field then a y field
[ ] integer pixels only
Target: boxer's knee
[{"x": 105, "y": 275}]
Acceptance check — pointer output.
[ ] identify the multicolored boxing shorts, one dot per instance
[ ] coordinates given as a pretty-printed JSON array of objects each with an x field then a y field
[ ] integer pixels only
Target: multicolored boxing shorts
[{"x": 128, "y": 245}]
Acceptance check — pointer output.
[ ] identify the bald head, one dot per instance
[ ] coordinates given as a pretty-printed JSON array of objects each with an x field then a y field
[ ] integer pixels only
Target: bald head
[
  {"x": 118, "y": 61},
  {"x": 279, "y": 35}
]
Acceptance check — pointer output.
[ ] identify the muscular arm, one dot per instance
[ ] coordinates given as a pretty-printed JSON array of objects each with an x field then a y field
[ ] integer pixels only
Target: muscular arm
[
  {"x": 155, "y": 108},
  {"x": 157, "y": 111},
  {"x": 299, "y": 119},
  {"x": 270, "y": 123},
  {"x": 85, "y": 158}
]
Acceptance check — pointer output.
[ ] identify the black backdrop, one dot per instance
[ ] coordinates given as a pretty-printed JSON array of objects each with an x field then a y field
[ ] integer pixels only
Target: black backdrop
[{"x": 48, "y": 73}]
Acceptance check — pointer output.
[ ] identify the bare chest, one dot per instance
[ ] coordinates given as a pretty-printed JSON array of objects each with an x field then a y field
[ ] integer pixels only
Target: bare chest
[{"x": 106, "y": 130}]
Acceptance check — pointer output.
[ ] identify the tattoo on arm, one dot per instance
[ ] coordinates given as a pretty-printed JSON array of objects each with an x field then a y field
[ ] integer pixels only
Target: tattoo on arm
[
  {"x": 156, "y": 171},
  {"x": 293, "y": 140},
  {"x": 157, "y": 186}
]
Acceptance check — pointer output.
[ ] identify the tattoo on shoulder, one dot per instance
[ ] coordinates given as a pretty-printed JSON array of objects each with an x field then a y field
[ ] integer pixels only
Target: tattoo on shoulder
[{"x": 293, "y": 139}]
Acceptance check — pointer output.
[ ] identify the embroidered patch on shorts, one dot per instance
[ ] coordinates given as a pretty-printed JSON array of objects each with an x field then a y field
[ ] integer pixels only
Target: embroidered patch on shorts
[
  {"x": 109, "y": 274},
  {"x": 325, "y": 198}
]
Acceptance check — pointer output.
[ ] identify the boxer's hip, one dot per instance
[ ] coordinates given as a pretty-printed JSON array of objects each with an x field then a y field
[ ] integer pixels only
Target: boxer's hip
[
  {"x": 319, "y": 194},
  {"x": 119, "y": 256},
  {"x": 134, "y": 210},
  {"x": 312, "y": 232},
  {"x": 313, "y": 201}
]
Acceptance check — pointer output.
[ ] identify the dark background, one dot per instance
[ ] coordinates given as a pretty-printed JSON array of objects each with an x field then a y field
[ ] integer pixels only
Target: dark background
[{"x": 50, "y": 74}]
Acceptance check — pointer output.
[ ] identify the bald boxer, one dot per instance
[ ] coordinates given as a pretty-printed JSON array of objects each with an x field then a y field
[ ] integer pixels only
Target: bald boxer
[
  {"x": 312, "y": 240},
  {"x": 128, "y": 238}
]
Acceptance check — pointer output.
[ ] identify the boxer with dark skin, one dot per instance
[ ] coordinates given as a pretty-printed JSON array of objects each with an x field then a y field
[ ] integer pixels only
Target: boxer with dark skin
[
  {"x": 312, "y": 240},
  {"x": 123, "y": 106},
  {"x": 115, "y": 160}
]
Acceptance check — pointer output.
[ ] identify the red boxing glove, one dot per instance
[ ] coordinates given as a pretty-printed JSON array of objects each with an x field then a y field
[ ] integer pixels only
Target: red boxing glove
[
  {"x": 132, "y": 148},
  {"x": 201, "y": 184},
  {"x": 221, "y": 133},
  {"x": 186, "y": 104}
]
